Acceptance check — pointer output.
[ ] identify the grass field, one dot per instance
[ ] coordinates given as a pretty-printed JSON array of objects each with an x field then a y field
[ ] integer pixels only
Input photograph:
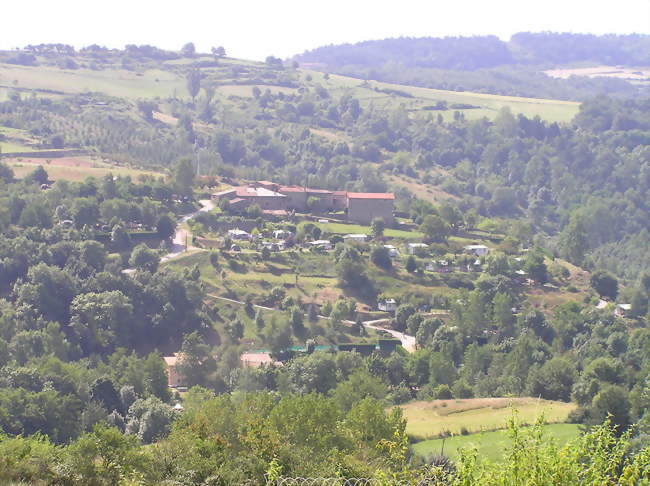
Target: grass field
[
  {"x": 429, "y": 419},
  {"x": 489, "y": 105},
  {"x": 114, "y": 82},
  {"x": 344, "y": 228},
  {"x": 73, "y": 168},
  {"x": 490, "y": 445}
]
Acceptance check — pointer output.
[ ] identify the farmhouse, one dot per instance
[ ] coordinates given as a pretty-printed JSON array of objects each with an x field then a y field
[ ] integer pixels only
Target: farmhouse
[{"x": 361, "y": 207}]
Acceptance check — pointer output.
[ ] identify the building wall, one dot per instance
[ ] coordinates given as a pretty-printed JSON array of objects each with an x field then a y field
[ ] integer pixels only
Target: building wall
[
  {"x": 296, "y": 200},
  {"x": 325, "y": 201},
  {"x": 365, "y": 210}
]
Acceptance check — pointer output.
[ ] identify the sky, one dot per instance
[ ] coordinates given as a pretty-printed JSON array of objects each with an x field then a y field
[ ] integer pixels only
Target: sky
[{"x": 255, "y": 29}]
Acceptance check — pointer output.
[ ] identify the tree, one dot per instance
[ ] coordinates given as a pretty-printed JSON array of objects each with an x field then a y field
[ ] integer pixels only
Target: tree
[
  {"x": 188, "y": 50},
  {"x": 611, "y": 402},
  {"x": 573, "y": 241},
  {"x": 411, "y": 265},
  {"x": 165, "y": 227},
  {"x": 553, "y": 381},
  {"x": 218, "y": 51},
  {"x": 435, "y": 228},
  {"x": 120, "y": 238},
  {"x": 103, "y": 392},
  {"x": 143, "y": 258},
  {"x": 149, "y": 419},
  {"x": 193, "y": 81},
  {"x": 297, "y": 320},
  {"x": 147, "y": 108},
  {"x": 604, "y": 283},
  {"x": 535, "y": 267},
  {"x": 196, "y": 364},
  {"x": 377, "y": 227},
  {"x": 380, "y": 256},
  {"x": 85, "y": 211},
  {"x": 183, "y": 176},
  {"x": 6, "y": 174},
  {"x": 39, "y": 175}
]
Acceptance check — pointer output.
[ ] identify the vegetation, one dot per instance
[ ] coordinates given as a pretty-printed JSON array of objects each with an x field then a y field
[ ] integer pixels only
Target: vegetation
[{"x": 496, "y": 266}]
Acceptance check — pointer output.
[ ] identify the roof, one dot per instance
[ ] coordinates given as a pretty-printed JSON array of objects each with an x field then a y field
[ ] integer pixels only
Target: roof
[
  {"x": 223, "y": 193},
  {"x": 624, "y": 306},
  {"x": 237, "y": 231},
  {"x": 257, "y": 192},
  {"x": 320, "y": 242},
  {"x": 417, "y": 245},
  {"x": 355, "y": 235},
  {"x": 340, "y": 193},
  {"x": 291, "y": 189},
  {"x": 319, "y": 191},
  {"x": 256, "y": 359},
  {"x": 371, "y": 195},
  {"x": 476, "y": 247}
]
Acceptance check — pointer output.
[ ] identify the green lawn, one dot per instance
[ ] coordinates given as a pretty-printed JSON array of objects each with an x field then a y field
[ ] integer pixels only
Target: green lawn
[
  {"x": 489, "y": 445},
  {"x": 345, "y": 228},
  {"x": 74, "y": 173},
  {"x": 429, "y": 419}
]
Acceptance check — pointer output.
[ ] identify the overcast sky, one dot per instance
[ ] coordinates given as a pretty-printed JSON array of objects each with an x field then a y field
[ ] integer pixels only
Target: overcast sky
[{"x": 254, "y": 29}]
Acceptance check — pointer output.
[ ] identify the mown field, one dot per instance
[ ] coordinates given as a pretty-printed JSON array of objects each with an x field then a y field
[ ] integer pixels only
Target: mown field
[
  {"x": 73, "y": 168},
  {"x": 344, "y": 229},
  {"x": 489, "y": 445},
  {"x": 430, "y": 419}
]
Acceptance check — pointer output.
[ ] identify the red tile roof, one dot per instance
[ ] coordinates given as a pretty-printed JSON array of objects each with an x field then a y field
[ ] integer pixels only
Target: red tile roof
[
  {"x": 291, "y": 189},
  {"x": 371, "y": 195}
]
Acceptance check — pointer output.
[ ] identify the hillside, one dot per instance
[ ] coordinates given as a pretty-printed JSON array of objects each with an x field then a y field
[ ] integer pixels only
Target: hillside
[
  {"x": 489, "y": 65},
  {"x": 217, "y": 271}
]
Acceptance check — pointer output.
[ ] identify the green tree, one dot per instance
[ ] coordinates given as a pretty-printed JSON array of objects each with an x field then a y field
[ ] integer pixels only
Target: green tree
[
  {"x": 435, "y": 228},
  {"x": 604, "y": 283},
  {"x": 143, "y": 258},
  {"x": 411, "y": 265},
  {"x": 196, "y": 364},
  {"x": 183, "y": 176},
  {"x": 377, "y": 227},
  {"x": 166, "y": 226},
  {"x": 535, "y": 267},
  {"x": 380, "y": 256},
  {"x": 573, "y": 241},
  {"x": 193, "y": 81}
]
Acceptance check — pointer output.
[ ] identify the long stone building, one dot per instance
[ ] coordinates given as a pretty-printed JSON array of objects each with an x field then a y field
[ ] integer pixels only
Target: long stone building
[{"x": 360, "y": 207}]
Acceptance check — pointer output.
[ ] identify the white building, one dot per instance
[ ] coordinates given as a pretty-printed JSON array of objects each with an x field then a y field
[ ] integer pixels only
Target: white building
[
  {"x": 387, "y": 305},
  {"x": 392, "y": 251},
  {"x": 478, "y": 250},
  {"x": 355, "y": 237},
  {"x": 323, "y": 244},
  {"x": 237, "y": 234},
  {"x": 412, "y": 248},
  {"x": 282, "y": 234}
]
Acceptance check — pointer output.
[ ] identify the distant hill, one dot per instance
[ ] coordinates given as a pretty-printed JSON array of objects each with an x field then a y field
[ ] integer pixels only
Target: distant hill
[
  {"x": 469, "y": 53},
  {"x": 490, "y": 65}
]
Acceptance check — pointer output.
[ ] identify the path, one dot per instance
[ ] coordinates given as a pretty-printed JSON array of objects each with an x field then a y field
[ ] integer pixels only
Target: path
[
  {"x": 181, "y": 237},
  {"x": 408, "y": 342}
]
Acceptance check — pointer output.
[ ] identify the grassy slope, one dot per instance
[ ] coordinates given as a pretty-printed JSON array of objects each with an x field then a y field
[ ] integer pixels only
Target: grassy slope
[
  {"x": 428, "y": 419},
  {"x": 552, "y": 110},
  {"x": 56, "y": 171},
  {"x": 168, "y": 81},
  {"x": 489, "y": 445},
  {"x": 114, "y": 82}
]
